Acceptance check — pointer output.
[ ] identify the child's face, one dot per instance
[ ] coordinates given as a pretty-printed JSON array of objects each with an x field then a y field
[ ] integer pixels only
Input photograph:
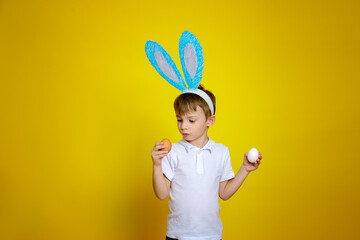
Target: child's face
[{"x": 193, "y": 125}]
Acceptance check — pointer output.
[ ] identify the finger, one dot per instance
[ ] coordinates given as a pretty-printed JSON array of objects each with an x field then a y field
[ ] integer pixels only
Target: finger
[
  {"x": 155, "y": 151},
  {"x": 158, "y": 153},
  {"x": 161, "y": 156},
  {"x": 245, "y": 157},
  {"x": 159, "y": 146}
]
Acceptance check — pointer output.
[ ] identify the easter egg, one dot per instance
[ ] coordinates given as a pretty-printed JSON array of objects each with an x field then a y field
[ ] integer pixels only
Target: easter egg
[
  {"x": 253, "y": 154},
  {"x": 167, "y": 144}
]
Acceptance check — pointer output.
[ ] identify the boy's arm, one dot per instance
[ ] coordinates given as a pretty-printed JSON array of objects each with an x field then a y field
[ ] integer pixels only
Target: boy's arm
[
  {"x": 229, "y": 187},
  {"x": 161, "y": 184}
]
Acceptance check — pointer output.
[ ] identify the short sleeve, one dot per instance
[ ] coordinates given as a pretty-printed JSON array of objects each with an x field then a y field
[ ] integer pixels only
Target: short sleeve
[
  {"x": 168, "y": 167},
  {"x": 227, "y": 172}
]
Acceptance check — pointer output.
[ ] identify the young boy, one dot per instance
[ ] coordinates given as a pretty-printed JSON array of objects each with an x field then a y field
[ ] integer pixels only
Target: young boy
[{"x": 196, "y": 172}]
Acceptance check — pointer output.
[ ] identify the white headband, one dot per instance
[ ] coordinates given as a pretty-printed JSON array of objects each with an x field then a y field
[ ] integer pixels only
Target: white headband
[{"x": 203, "y": 95}]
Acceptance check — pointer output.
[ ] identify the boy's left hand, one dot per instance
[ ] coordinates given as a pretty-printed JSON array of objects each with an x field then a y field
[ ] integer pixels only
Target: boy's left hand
[{"x": 251, "y": 166}]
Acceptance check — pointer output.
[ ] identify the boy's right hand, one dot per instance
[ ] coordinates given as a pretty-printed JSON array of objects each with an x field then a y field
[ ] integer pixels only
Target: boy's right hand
[{"x": 157, "y": 154}]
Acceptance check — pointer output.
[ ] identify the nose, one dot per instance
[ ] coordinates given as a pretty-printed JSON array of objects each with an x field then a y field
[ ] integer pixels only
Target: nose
[{"x": 183, "y": 126}]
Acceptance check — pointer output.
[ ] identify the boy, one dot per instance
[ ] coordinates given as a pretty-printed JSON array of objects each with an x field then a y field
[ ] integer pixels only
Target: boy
[{"x": 196, "y": 172}]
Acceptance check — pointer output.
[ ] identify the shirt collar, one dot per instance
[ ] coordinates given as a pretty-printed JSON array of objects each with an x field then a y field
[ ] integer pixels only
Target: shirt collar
[{"x": 188, "y": 146}]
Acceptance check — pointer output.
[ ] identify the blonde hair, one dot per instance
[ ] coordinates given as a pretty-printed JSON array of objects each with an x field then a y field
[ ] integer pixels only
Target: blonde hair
[{"x": 188, "y": 102}]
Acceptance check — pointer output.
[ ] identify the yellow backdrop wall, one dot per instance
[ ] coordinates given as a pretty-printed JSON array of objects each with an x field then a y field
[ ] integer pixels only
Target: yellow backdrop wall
[{"x": 81, "y": 108}]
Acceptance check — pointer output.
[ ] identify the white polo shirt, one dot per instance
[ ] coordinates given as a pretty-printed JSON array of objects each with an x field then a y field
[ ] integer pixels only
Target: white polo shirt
[{"x": 195, "y": 175}]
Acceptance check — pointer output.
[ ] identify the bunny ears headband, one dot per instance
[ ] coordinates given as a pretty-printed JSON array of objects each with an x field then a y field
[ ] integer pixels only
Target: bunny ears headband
[{"x": 192, "y": 62}]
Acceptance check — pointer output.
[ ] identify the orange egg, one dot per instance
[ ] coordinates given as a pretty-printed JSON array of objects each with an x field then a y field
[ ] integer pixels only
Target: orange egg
[{"x": 167, "y": 144}]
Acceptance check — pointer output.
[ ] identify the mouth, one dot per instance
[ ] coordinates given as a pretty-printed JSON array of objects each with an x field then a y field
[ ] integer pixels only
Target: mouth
[{"x": 185, "y": 134}]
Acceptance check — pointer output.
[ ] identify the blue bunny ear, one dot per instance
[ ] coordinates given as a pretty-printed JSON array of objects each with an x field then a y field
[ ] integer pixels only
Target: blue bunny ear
[
  {"x": 192, "y": 59},
  {"x": 164, "y": 64}
]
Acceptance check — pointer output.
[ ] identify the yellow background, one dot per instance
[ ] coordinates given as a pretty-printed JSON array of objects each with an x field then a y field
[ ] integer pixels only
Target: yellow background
[{"x": 82, "y": 107}]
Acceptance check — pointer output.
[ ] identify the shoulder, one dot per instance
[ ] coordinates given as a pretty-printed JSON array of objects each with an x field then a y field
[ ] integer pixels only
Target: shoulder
[
  {"x": 176, "y": 150},
  {"x": 178, "y": 147},
  {"x": 222, "y": 153},
  {"x": 220, "y": 148}
]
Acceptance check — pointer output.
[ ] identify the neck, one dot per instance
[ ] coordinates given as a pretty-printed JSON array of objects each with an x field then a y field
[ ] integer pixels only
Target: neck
[{"x": 200, "y": 142}]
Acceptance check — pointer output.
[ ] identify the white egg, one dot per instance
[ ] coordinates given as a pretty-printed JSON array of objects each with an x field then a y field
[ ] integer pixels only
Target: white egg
[{"x": 253, "y": 154}]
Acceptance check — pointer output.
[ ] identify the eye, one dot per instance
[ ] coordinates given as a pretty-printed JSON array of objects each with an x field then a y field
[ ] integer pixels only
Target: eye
[
  {"x": 179, "y": 120},
  {"x": 192, "y": 121}
]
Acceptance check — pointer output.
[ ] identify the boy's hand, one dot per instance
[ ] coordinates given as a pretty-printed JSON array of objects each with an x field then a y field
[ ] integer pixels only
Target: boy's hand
[
  {"x": 251, "y": 166},
  {"x": 157, "y": 154}
]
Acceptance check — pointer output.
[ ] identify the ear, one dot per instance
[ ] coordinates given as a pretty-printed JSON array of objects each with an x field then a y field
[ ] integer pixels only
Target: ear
[
  {"x": 192, "y": 59},
  {"x": 164, "y": 64},
  {"x": 211, "y": 121}
]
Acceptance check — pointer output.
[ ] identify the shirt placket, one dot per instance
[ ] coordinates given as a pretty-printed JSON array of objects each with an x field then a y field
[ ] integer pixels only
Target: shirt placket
[{"x": 199, "y": 162}]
